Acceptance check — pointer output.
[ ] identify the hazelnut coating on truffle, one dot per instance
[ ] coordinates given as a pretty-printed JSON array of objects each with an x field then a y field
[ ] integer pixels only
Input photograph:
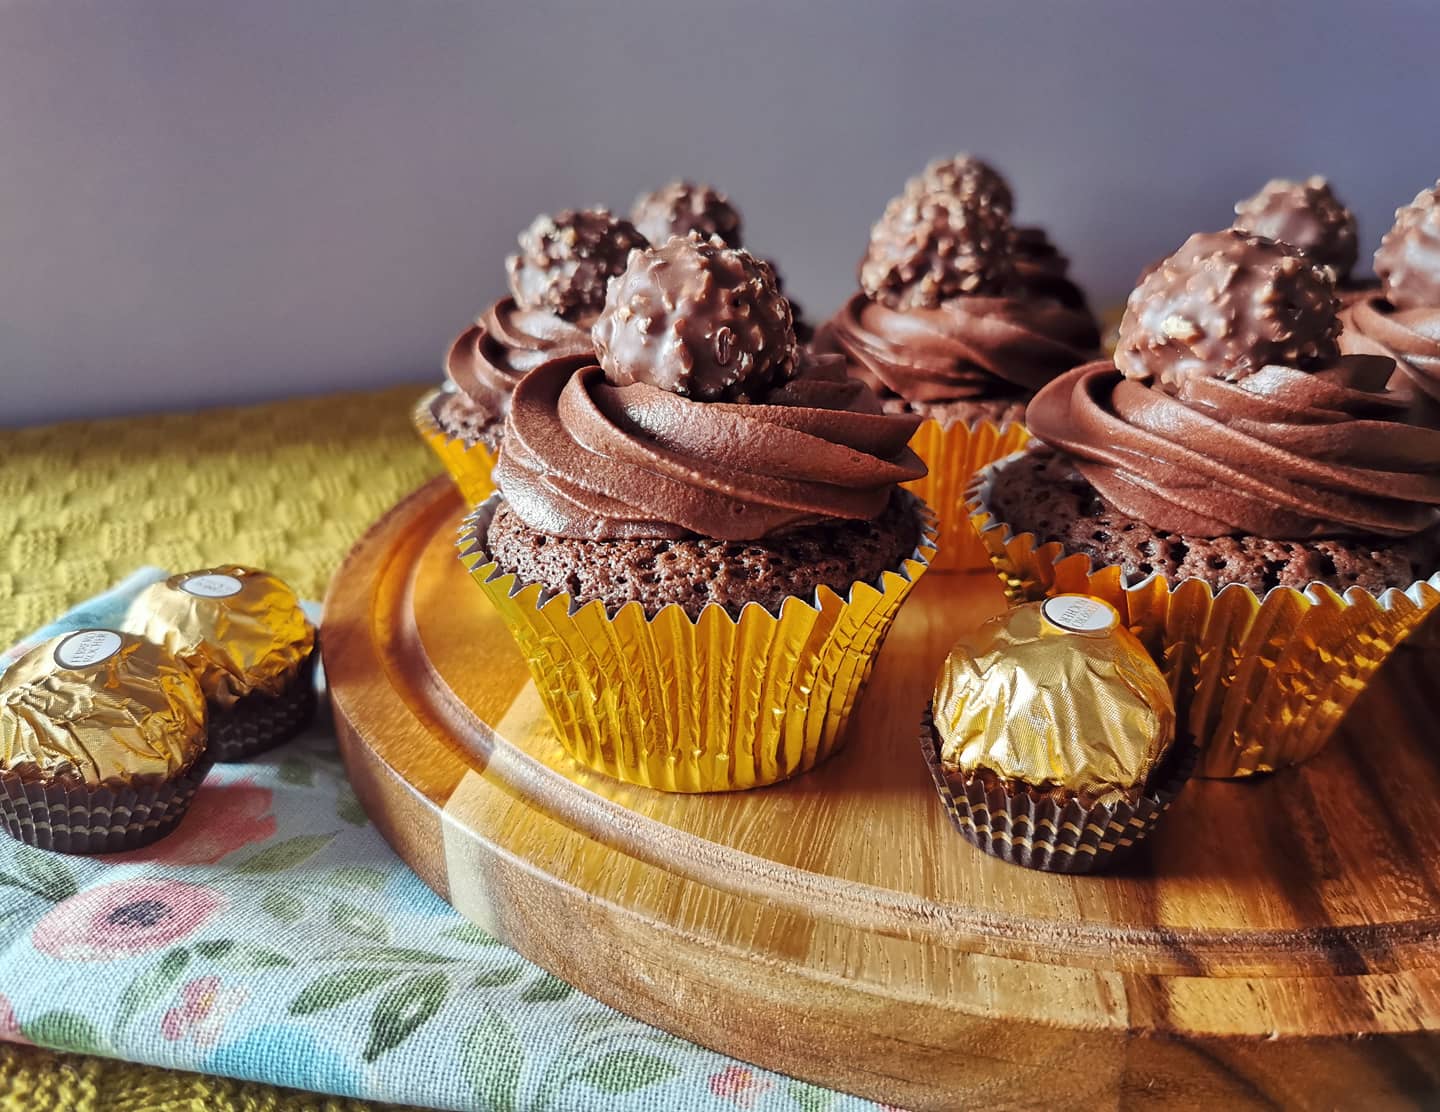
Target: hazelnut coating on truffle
[
  {"x": 699, "y": 319},
  {"x": 967, "y": 177},
  {"x": 1305, "y": 214},
  {"x": 683, "y": 207},
  {"x": 1224, "y": 306},
  {"x": 566, "y": 261},
  {"x": 1408, "y": 261},
  {"x": 930, "y": 247}
]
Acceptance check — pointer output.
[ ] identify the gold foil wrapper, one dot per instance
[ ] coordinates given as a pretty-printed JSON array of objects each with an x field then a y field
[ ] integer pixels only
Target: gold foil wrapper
[
  {"x": 1055, "y": 695},
  {"x": 953, "y": 455},
  {"x": 241, "y": 631},
  {"x": 1259, "y": 683},
  {"x": 469, "y": 464},
  {"x": 99, "y": 707},
  {"x": 684, "y": 705}
]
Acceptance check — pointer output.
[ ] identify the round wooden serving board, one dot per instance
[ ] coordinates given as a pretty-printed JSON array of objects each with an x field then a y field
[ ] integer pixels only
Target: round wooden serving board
[{"x": 1276, "y": 942}]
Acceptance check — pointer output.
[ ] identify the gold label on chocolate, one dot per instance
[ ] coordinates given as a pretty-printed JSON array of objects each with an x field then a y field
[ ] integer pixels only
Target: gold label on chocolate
[
  {"x": 85, "y": 647},
  {"x": 211, "y": 586},
  {"x": 1080, "y": 614}
]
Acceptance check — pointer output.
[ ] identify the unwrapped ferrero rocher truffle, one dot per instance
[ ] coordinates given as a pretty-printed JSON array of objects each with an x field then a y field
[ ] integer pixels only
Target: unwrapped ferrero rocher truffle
[
  {"x": 102, "y": 742},
  {"x": 1050, "y": 736},
  {"x": 243, "y": 633}
]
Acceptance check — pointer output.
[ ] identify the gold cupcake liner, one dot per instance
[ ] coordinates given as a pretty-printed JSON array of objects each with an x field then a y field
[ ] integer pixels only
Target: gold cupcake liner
[
  {"x": 1259, "y": 683},
  {"x": 70, "y": 817},
  {"x": 469, "y": 464},
  {"x": 1040, "y": 832},
  {"x": 715, "y": 704},
  {"x": 953, "y": 455},
  {"x": 260, "y": 721}
]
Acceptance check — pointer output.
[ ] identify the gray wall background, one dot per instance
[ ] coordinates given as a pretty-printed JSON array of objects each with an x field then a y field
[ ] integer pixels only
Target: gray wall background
[{"x": 204, "y": 201}]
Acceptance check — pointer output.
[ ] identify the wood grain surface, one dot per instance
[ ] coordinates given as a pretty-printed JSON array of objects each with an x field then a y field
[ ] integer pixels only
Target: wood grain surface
[{"x": 1275, "y": 944}]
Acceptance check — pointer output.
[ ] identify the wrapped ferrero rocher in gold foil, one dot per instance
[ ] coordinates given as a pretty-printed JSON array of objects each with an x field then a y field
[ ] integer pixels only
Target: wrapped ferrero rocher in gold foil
[
  {"x": 102, "y": 742},
  {"x": 243, "y": 633},
  {"x": 1051, "y": 736}
]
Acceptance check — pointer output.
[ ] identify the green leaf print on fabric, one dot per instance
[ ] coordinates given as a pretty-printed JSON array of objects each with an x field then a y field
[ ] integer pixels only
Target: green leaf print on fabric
[
  {"x": 625, "y": 1071},
  {"x": 242, "y": 956},
  {"x": 359, "y": 922},
  {"x": 348, "y": 808},
  {"x": 470, "y": 933},
  {"x": 495, "y": 978},
  {"x": 333, "y": 989},
  {"x": 403, "y": 1010},
  {"x": 399, "y": 955},
  {"x": 62, "y": 1030},
  {"x": 491, "y": 1061},
  {"x": 46, "y": 874},
  {"x": 145, "y": 991},
  {"x": 544, "y": 989},
  {"x": 297, "y": 771},
  {"x": 283, "y": 905},
  {"x": 286, "y": 854},
  {"x": 810, "y": 1098},
  {"x": 360, "y": 876}
]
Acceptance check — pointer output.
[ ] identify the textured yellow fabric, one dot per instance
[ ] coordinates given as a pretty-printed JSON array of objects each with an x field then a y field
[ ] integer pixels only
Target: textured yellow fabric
[
  {"x": 37, "y": 1080},
  {"x": 287, "y": 487}
]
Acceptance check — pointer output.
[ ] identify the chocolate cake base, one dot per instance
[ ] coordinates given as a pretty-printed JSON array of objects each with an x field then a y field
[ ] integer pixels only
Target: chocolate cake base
[
  {"x": 1042, "y": 493},
  {"x": 964, "y": 411},
  {"x": 461, "y": 419},
  {"x": 694, "y": 573}
]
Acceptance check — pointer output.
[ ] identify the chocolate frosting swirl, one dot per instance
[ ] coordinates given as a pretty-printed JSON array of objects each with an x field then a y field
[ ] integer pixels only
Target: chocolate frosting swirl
[
  {"x": 1282, "y": 453},
  {"x": 1042, "y": 270},
  {"x": 967, "y": 348},
  {"x": 586, "y": 459},
  {"x": 1411, "y": 337},
  {"x": 507, "y": 342}
]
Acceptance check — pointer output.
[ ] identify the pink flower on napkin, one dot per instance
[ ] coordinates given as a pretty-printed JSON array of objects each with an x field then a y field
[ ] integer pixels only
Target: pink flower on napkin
[
  {"x": 223, "y": 818},
  {"x": 739, "y": 1085},
  {"x": 9, "y": 1025},
  {"x": 205, "y": 1004},
  {"x": 125, "y": 918}
]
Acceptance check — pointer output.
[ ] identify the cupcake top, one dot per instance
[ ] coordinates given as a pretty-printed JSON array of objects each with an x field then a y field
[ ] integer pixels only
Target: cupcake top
[
  {"x": 238, "y": 629},
  {"x": 1228, "y": 409},
  {"x": 99, "y": 706},
  {"x": 944, "y": 318},
  {"x": 1403, "y": 322},
  {"x": 557, "y": 288},
  {"x": 1307, "y": 215},
  {"x": 968, "y": 177},
  {"x": 700, "y": 418}
]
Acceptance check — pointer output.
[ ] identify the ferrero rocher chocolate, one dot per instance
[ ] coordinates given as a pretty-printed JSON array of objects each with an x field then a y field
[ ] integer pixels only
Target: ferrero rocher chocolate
[
  {"x": 243, "y": 633},
  {"x": 1055, "y": 695},
  {"x": 238, "y": 629},
  {"x": 96, "y": 706},
  {"x": 102, "y": 742}
]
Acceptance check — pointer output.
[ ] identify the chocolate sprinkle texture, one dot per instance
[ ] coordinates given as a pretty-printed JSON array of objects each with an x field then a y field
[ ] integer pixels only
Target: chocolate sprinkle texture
[
  {"x": 566, "y": 261},
  {"x": 698, "y": 319}
]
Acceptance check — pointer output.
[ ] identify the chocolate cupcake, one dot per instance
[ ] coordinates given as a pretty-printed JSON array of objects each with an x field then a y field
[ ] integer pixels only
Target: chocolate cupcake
[
  {"x": 1261, "y": 507},
  {"x": 945, "y": 329},
  {"x": 1051, "y": 737},
  {"x": 243, "y": 633},
  {"x": 102, "y": 743},
  {"x": 700, "y": 541},
  {"x": 684, "y": 208},
  {"x": 557, "y": 287},
  {"x": 1402, "y": 321}
]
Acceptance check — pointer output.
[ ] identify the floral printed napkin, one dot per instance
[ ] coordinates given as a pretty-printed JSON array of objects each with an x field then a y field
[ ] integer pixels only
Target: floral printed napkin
[{"x": 274, "y": 937}]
